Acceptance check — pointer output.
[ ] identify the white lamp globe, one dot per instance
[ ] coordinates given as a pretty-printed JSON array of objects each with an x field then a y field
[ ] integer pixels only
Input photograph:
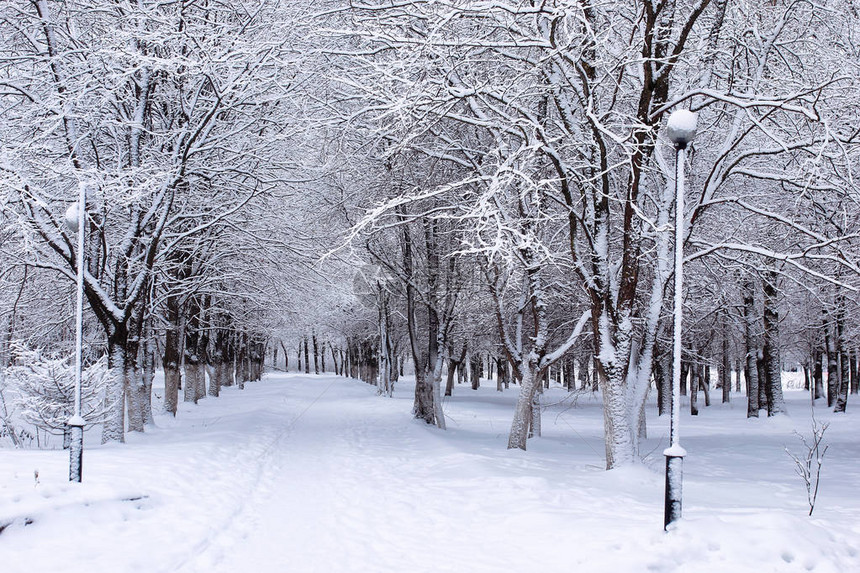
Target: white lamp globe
[
  {"x": 681, "y": 128},
  {"x": 72, "y": 217}
]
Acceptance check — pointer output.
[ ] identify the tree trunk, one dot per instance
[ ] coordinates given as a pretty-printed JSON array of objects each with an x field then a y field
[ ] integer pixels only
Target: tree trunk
[
  {"x": 751, "y": 368},
  {"x": 523, "y": 409},
  {"x": 738, "y": 369},
  {"x": 616, "y": 424},
  {"x": 435, "y": 330},
  {"x": 725, "y": 371},
  {"x": 228, "y": 360},
  {"x": 135, "y": 393},
  {"x": 220, "y": 359},
  {"x": 148, "y": 371},
  {"x": 437, "y": 389},
  {"x": 854, "y": 372},
  {"x": 695, "y": 381},
  {"x": 193, "y": 365},
  {"x": 192, "y": 380},
  {"x": 114, "y": 425},
  {"x": 841, "y": 351},
  {"x": 535, "y": 421},
  {"x": 449, "y": 379},
  {"x": 241, "y": 359},
  {"x": 663, "y": 381},
  {"x": 454, "y": 365},
  {"x": 170, "y": 360},
  {"x": 582, "y": 373},
  {"x": 685, "y": 371},
  {"x": 832, "y": 365},
  {"x": 817, "y": 374},
  {"x": 842, "y": 392},
  {"x": 762, "y": 382},
  {"x": 316, "y": 354},
  {"x": 422, "y": 407},
  {"x": 770, "y": 348}
]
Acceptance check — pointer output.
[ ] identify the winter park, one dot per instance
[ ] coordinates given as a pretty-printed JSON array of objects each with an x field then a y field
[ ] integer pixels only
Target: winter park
[{"x": 429, "y": 285}]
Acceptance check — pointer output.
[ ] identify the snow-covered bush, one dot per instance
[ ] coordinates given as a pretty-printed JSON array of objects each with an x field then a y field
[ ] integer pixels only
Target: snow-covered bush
[
  {"x": 42, "y": 389},
  {"x": 8, "y": 409}
]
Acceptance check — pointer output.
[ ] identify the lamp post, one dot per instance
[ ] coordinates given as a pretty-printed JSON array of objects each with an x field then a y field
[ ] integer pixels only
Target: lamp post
[
  {"x": 681, "y": 128},
  {"x": 75, "y": 220}
]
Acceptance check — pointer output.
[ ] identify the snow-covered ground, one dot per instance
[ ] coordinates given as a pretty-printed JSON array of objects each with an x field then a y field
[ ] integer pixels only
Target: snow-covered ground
[{"x": 304, "y": 473}]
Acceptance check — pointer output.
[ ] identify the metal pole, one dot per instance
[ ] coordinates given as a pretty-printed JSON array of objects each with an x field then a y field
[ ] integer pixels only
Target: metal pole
[
  {"x": 76, "y": 422},
  {"x": 675, "y": 453}
]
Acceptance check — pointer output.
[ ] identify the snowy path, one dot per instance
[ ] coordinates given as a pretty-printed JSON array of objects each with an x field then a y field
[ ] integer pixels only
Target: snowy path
[
  {"x": 370, "y": 490},
  {"x": 303, "y": 474}
]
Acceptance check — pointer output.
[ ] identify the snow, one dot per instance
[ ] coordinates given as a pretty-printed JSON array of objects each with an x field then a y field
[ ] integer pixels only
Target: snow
[
  {"x": 681, "y": 127},
  {"x": 675, "y": 451},
  {"x": 317, "y": 473}
]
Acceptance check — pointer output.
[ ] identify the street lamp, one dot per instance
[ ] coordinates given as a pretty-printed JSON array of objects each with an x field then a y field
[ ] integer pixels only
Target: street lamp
[
  {"x": 75, "y": 219},
  {"x": 681, "y": 128}
]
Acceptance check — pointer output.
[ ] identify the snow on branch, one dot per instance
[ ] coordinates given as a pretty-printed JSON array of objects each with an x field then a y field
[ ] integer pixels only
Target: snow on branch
[
  {"x": 792, "y": 259},
  {"x": 747, "y": 101},
  {"x": 554, "y": 356}
]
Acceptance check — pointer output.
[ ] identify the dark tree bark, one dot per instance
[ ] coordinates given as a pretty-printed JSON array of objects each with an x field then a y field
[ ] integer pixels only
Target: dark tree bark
[
  {"x": 475, "y": 371},
  {"x": 832, "y": 366},
  {"x": 817, "y": 374},
  {"x": 316, "y": 353},
  {"x": 762, "y": 382},
  {"x": 192, "y": 363},
  {"x": 135, "y": 391},
  {"x": 582, "y": 371},
  {"x": 663, "y": 381},
  {"x": 770, "y": 347},
  {"x": 844, "y": 377},
  {"x": 685, "y": 371},
  {"x": 286, "y": 356},
  {"x": 148, "y": 349},
  {"x": 242, "y": 360},
  {"x": 695, "y": 381},
  {"x": 422, "y": 407},
  {"x": 738, "y": 369},
  {"x": 854, "y": 372},
  {"x": 216, "y": 362},
  {"x": 504, "y": 378},
  {"x": 172, "y": 354},
  {"x": 337, "y": 367},
  {"x": 751, "y": 366},
  {"x": 725, "y": 370},
  {"x": 455, "y": 363}
]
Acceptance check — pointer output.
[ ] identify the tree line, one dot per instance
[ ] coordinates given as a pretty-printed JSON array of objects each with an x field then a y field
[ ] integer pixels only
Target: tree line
[{"x": 434, "y": 182}]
